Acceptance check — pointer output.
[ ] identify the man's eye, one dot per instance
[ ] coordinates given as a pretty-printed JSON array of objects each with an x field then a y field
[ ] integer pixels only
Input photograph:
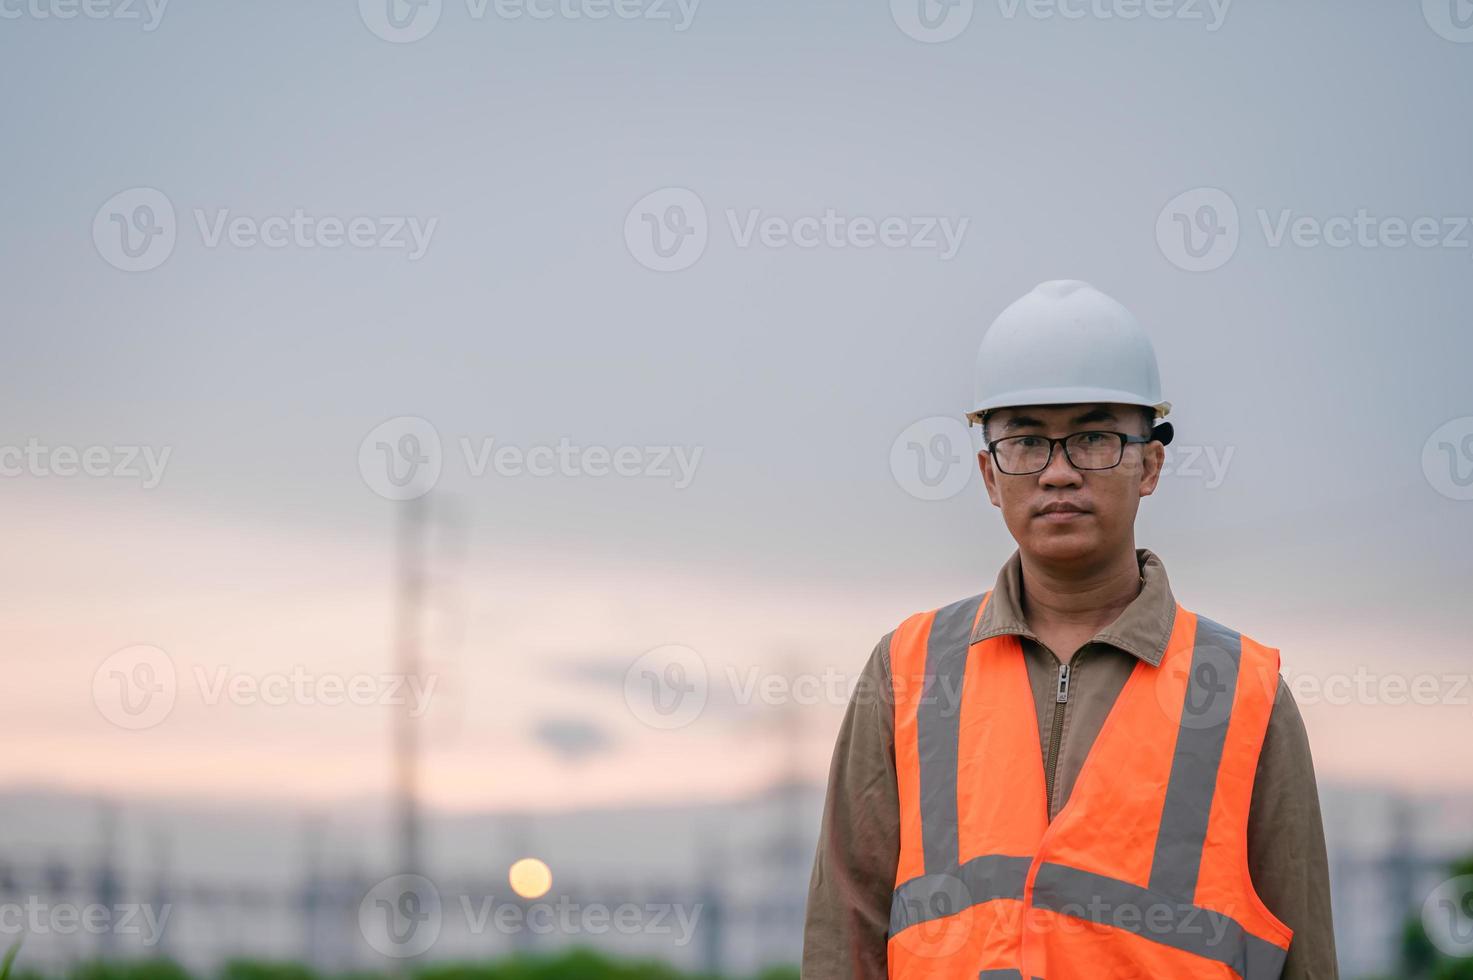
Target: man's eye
[
  {"x": 1029, "y": 442},
  {"x": 1093, "y": 438}
]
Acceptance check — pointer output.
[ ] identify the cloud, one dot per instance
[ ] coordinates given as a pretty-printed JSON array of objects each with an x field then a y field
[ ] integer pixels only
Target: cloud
[{"x": 572, "y": 738}]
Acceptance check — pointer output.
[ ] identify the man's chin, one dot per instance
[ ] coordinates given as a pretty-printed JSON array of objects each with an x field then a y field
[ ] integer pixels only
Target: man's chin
[{"x": 1062, "y": 544}]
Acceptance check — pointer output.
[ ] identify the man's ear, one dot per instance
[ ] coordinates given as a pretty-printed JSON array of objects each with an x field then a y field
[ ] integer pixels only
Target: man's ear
[
  {"x": 1153, "y": 460},
  {"x": 989, "y": 477}
]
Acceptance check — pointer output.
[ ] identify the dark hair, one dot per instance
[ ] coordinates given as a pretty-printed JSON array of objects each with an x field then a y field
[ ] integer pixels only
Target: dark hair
[{"x": 1147, "y": 416}]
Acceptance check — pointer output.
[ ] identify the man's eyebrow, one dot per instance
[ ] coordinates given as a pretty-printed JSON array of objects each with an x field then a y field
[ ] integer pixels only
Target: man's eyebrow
[
  {"x": 1027, "y": 421},
  {"x": 1095, "y": 415}
]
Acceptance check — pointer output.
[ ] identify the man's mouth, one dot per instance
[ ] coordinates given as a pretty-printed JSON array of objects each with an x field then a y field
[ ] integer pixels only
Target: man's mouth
[{"x": 1059, "y": 513}]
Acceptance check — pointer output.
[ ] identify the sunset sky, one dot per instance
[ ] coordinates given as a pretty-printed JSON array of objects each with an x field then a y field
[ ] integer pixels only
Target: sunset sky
[{"x": 1308, "y": 380}]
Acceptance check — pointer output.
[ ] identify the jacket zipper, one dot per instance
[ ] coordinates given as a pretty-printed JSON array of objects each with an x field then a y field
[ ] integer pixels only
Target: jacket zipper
[{"x": 1061, "y": 703}]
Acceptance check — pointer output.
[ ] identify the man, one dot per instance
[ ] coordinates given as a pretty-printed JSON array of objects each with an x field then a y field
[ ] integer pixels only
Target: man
[{"x": 1070, "y": 776}]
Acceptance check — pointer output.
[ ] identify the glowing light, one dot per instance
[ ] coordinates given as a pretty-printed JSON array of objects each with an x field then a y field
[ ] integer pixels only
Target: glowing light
[{"x": 530, "y": 878}]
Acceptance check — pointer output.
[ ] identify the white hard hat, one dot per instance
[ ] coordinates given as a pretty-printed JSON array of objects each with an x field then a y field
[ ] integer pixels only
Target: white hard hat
[{"x": 1066, "y": 343}]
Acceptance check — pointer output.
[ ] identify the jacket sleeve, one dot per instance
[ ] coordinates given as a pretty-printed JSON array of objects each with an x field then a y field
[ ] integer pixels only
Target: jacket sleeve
[
  {"x": 847, "y": 925},
  {"x": 1286, "y": 843}
]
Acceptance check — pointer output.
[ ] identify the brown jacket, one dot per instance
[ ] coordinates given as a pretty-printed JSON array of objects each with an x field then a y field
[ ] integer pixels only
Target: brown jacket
[{"x": 844, "y": 937}]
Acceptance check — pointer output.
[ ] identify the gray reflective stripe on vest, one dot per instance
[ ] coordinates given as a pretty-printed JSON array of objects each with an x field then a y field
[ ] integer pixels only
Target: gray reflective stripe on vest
[
  {"x": 935, "y": 896},
  {"x": 1211, "y": 688},
  {"x": 1157, "y": 917},
  {"x": 938, "y": 720}
]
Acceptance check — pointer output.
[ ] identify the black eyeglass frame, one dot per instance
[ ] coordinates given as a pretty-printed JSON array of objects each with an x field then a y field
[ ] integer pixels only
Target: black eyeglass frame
[{"x": 1125, "y": 438}]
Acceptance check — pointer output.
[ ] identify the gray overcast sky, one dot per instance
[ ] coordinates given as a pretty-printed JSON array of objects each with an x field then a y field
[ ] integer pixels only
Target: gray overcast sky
[{"x": 1322, "y": 370}]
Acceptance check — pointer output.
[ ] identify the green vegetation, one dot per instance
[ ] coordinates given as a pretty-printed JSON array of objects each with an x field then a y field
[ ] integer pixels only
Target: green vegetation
[
  {"x": 1420, "y": 959},
  {"x": 575, "y": 965}
]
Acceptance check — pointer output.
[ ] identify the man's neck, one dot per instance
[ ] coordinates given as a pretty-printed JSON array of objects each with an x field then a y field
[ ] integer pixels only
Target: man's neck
[{"x": 1079, "y": 599}]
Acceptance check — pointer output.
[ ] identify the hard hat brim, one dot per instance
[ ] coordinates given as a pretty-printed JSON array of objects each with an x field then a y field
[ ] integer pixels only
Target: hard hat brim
[{"x": 1066, "y": 396}]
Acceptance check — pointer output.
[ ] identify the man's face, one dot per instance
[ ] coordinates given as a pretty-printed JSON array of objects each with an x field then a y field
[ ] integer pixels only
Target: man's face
[{"x": 1062, "y": 513}]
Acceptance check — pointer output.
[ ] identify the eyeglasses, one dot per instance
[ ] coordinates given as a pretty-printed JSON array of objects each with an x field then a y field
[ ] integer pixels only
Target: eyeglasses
[{"x": 1022, "y": 455}]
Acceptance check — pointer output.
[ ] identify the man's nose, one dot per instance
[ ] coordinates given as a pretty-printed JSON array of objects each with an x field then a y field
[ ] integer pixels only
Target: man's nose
[{"x": 1060, "y": 472}]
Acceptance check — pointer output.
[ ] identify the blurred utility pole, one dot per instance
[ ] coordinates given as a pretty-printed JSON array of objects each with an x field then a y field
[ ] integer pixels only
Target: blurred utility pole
[
  {"x": 107, "y": 889},
  {"x": 408, "y": 654},
  {"x": 161, "y": 894},
  {"x": 311, "y": 900},
  {"x": 713, "y": 938}
]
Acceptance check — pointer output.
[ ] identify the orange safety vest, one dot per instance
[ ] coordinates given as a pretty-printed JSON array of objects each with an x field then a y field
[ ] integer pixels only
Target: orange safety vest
[{"x": 1143, "y": 874}]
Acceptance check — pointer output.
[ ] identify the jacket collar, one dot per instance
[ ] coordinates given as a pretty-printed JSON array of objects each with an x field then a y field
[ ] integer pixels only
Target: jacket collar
[{"x": 1142, "y": 630}]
